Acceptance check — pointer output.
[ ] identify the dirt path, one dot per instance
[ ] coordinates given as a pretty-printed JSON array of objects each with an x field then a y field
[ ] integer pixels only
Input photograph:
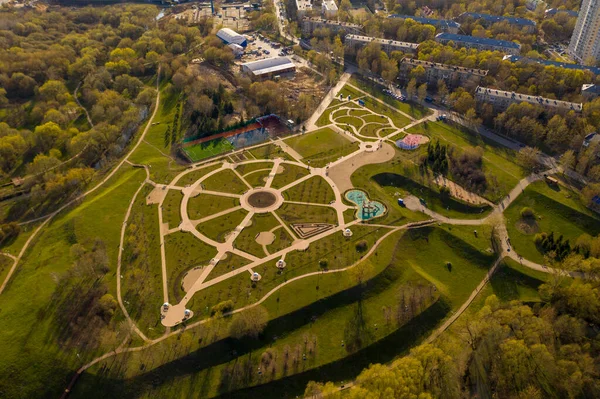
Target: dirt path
[{"x": 342, "y": 172}]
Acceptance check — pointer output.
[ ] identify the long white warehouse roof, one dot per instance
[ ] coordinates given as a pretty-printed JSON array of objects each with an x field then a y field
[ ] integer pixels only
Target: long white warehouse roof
[
  {"x": 268, "y": 65},
  {"x": 230, "y": 36}
]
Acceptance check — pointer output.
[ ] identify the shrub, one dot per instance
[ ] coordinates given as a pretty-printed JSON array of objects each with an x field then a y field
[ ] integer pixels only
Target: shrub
[
  {"x": 527, "y": 213},
  {"x": 222, "y": 307},
  {"x": 323, "y": 263},
  {"x": 362, "y": 246}
]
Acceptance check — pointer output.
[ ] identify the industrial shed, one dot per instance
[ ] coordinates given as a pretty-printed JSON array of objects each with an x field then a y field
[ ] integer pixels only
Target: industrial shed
[
  {"x": 230, "y": 36},
  {"x": 269, "y": 67}
]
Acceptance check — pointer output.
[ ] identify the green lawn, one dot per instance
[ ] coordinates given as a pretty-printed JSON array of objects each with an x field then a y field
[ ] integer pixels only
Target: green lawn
[
  {"x": 229, "y": 264},
  {"x": 225, "y": 181},
  {"x": 305, "y": 320},
  {"x": 499, "y": 165},
  {"x": 269, "y": 151},
  {"x": 246, "y": 241},
  {"x": 376, "y": 90},
  {"x": 5, "y": 265},
  {"x": 371, "y": 129},
  {"x": 429, "y": 249},
  {"x": 244, "y": 169},
  {"x": 557, "y": 210},
  {"x": 258, "y": 178},
  {"x": 217, "y": 229},
  {"x": 194, "y": 175},
  {"x": 515, "y": 282},
  {"x": 322, "y": 146},
  {"x": 344, "y": 121},
  {"x": 290, "y": 174},
  {"x": 184, "y": 252},
  {"x": 297, "y": 213},
  {"x": 315, "y": 190},
  {"x": 324, "y": 117},
  {"x": 141, "y": 285},
  {"x": 171, "y": 208},
  {"x": 208, "y": 149},
  {"x": 36, "y": 349},
  {"x": 282, "y": 240},
  {"x": 204, "y": 205}
]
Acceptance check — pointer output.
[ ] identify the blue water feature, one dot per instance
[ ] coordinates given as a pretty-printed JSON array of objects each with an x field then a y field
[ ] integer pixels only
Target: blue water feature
[{"x": 366, "y": 209}]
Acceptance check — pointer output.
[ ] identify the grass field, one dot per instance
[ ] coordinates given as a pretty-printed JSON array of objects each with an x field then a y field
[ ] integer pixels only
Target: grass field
[
  {"x": 193, "y": 176},
  {"x": 204, "y": 205},
  {"x": 225, "y": 181},
  {"x": 321, "y": 146},
  {"x": 230, "y": 263},
  {"x": 499, "y": 165},
  {"x": 245, "y": 169},
  {"x": 208, "y": 149},
  {"x": 141, "y": 284},
  {"x": 5, "y": 265},
  {"x": 290, "y": 174},
  {"x": 171, "y": 208},
  {"x": 258, "y": 178},
  {"x": 184, "y": 252},
  {"x": 324, "y": 117},
  {"x": 246, "y": 241},
  {"x": 269, "y": 151},
  {"x": 298, "y": 213},
  {"x": 34, "y": 350},
  {"x": 217, "y": 229},
  {"x": 515, "y": 282},
  {"x": 428, "y": 250},
  {"x": 557, "y": 210},
  {"x": 315, "y": 190}
]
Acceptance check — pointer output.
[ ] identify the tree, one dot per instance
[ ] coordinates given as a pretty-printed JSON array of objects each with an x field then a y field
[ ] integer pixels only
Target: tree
[
  {"x": 528, "y": 158},
  {"x": 422, "y": 92},
  {"x": 567, "y": 160},
  {"x": 251, "y": 322},
  {"x": 442, "y": 90},
  {"x": 411, "y": 89}
]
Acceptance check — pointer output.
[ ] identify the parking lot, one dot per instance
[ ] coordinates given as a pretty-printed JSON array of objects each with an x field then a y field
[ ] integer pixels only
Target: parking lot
[{"x": 262, "y": 47}]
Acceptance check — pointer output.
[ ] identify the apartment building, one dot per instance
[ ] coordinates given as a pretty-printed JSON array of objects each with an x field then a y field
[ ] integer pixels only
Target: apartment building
[
  {"x": 355, "y": 42},
  {"x": 585, "y": 41},
  {"x": 488, "y": 20},
  {"x": 303, "y": 7},
  {"x": 443, "y": 25},
  {"x": 479, "y": 43},
  {"x": 501, "y": 100},
  {"x": 329, "y": 9},
  {"x": 309, "y": 25},
  {"x": 453, "y": 76}
]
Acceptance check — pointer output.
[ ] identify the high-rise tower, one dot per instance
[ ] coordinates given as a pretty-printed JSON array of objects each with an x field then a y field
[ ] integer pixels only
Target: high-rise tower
[{"x": 585, "y": 42}]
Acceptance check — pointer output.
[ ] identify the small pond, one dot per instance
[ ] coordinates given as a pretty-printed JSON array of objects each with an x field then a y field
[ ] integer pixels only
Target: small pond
[{"x": 366, "y": 209}]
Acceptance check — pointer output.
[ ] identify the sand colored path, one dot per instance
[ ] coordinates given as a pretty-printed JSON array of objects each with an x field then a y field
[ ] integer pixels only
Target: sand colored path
[{"x": 340, "y": 173}]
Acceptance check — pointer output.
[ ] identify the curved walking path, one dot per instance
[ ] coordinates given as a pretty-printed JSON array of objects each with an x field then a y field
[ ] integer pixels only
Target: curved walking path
[{"x": 368, "y": 152}]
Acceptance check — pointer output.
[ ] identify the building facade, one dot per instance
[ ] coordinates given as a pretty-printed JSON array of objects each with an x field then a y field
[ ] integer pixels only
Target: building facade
[
  {"x": 453, "y": 76},
  {"x": 518, "y": 58},
  {"x": 309, "y": 25},
  {"x": 356, "y": 42},
  {"x": 488, "y": 20},
  {"x": 443, "y": 25},
  {"x": 479, "y": 43},
  {"x": 501, "y": 100},
  {"x": 329, "y": 9},
  {"x": 585, "y": 42},
  {"x": 302, "y": 7}
]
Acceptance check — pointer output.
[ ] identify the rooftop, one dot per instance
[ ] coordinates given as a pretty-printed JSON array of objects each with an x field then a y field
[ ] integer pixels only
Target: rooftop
[
  {"x": 590, "y": 88},
  {"x": 547, "y": 102},
  {"x": 476, "y": 40},
  {"x": 382, "y": 41},
  {"x": 429, "y": 21},
  {"x": 498, "y": 18},
  {"x": 304, "y": 4},
  {"x": 554, "y": 11},
  {"x": 268, "y": 65},
  {"x": 328, "y": 22},
  {"x": 517, "y": 58},
  {"x": 414, "y": 61},
  {"x": 330, "y": 5}
]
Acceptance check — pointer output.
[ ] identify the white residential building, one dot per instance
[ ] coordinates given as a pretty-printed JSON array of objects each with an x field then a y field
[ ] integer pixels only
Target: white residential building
[
  {"x": 329, "y": 9},
  {"x": 501, "y": 100},
  {"x": 585, "y": 42},
  {"x": 303, "y": 7}
]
